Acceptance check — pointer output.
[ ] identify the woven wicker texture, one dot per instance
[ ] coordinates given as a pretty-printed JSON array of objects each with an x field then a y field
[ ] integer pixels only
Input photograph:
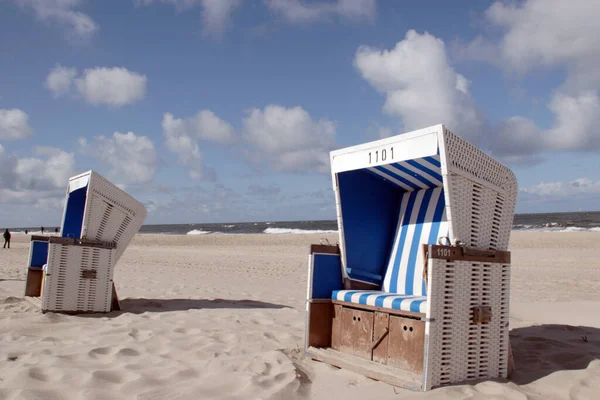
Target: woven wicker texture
[
  {"x": 481, "y": 196},
  {"x": 458, "y": 350},
  {"x": 466, "y": 159},
  {"x": 111, "y": 214},
  {"x": 78, "y": 279}
]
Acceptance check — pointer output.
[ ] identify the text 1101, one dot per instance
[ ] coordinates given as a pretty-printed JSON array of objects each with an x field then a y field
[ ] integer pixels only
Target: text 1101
[{"x": 381, "y": 155}]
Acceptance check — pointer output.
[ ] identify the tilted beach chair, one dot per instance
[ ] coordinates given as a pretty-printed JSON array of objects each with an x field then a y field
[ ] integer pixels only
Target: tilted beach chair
[
  {"x": 398, "y": 300},
  {"x": 74, "y": 272}
]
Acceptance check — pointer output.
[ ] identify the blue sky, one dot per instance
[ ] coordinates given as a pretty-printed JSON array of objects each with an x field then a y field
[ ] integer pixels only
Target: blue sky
[{"x": 226, "y": 110}]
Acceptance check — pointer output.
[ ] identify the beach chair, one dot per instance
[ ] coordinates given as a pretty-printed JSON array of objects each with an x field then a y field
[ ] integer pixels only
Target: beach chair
[
  {"x": 73, "y": 272},
  {"x": 416, "y": 293}
]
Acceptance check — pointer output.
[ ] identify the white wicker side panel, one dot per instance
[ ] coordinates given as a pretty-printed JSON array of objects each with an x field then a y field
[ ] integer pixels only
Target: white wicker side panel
[
  {"x": 438, "y": 328},
  {"x": 458, "y": 350},
  {"x": 68, "y": 289},
  {"x": 56, "y": 275},
  {"x": 111, "y": 214},
  {"x": 481, "y": 216},
  {"x": 482, "y": 195}
]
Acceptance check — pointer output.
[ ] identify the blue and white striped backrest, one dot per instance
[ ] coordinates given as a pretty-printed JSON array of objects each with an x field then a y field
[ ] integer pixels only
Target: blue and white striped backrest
[{"x": 422, "y": 220}]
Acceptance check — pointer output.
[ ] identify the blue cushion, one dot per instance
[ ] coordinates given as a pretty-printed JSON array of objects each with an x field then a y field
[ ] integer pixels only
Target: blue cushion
[{"x": 382, "y": 299}]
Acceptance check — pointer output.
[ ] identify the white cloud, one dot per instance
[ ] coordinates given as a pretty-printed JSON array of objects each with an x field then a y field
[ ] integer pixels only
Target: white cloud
[
  {"x": 581, "y": 188},
  {"x": 420, "y": 85},
  {"x": 205, "y": 125},
  {"x": 182, "y": 137},
  {"x": 577, "y": 118},
  {"x": 264, "y": 190},
  {"x": 50, "y": 171},
  {"x": 131, "y": 158},
  {"x": 298, "y": 11},
  {"x": 60, "y": 79},
  {"x": 63, "y": 12},
  {"x": 548, "y": 34},
  {"x": 37, "y": 180},
  {"x": 517, "y": 136},
  {"x": 115, "y": 87},
  {"x": 288, "y": 139},
  {"x": 111, "y": 86},
  {"x": 216, "y": 14},
  {"x": 384, "y": 132},
  {"x": 178, "y": 141},
  {"x": 376, "y": 131},
  {"x": 14, "y": 124}
]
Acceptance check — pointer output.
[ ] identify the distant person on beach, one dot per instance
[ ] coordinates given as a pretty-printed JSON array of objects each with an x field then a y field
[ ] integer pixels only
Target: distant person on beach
[
  {"x": 26, "y": 231},
  {"x": 42, "y": 230},
  {"x": 56, "y": 230},
  {"x": 6, "y": 238}
]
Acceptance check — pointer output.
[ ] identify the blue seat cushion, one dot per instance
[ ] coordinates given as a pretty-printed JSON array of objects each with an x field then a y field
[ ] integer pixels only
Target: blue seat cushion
[{"x": 401, "y": 302}]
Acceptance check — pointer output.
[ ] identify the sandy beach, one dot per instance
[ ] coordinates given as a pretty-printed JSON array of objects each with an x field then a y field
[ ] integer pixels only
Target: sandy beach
[{"x": 222, "y": 317}]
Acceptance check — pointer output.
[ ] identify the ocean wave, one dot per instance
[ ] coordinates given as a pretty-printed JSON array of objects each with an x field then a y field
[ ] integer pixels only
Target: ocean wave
[
  {"x": 46, "y": 233},
  {"x": 556, "y": 229},
  {"x": 297, "y": 231},
  {"x": 198, "y": 232},
  {"x": 228, "y": 226}
]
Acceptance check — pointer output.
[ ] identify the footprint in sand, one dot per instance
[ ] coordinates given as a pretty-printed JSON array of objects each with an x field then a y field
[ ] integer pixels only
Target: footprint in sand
[
  {"x": 188, "y": 373},
  {"x": 114, "y": 377},
  {"x": 55, "y": 318},
  {"x": 41, "y": 394},
  {"x": 97, "y": 394},
  {"x": 44, "y": 375},
  {"x": 128, "y": 352},
  {"x": 140, "y": 334},
  {"x": 100, "y": 351}
]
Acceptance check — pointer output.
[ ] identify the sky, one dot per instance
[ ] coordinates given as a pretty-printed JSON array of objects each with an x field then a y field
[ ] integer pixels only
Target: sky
[{"x": 226, "y": 110}]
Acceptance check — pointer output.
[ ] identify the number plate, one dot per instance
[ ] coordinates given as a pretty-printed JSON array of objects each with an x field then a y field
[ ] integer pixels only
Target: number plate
[{"x": 384, "y": 152}]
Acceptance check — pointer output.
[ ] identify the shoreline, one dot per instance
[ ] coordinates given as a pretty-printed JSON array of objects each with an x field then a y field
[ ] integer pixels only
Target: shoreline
[{"x": 18, "y": 234}]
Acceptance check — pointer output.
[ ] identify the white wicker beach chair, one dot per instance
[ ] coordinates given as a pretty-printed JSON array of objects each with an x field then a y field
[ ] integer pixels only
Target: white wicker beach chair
[
  {"x": 74, "y": 272},
  {"x": 398, "y": 300}
]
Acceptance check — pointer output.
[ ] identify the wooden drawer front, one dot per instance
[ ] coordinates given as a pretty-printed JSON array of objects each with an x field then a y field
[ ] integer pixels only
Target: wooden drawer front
[
  {"x": 406, "y": 343},
  {"x": 381, "y": 337},
  {"x": 336, "y": 328},
  {"x": 357, "y": 332}
]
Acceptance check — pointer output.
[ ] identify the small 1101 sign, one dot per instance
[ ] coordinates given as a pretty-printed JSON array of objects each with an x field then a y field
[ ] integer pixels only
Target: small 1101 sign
[
  {"x": 381, "y": 155},
  {"x": 444, "y": 252}
]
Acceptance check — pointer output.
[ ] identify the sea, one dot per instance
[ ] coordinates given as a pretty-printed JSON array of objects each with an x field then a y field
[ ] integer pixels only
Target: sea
[{"x": 551, "y": 222}]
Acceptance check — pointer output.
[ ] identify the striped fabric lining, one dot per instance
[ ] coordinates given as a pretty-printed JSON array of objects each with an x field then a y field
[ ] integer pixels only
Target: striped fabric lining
[
  {"x": 422, "y": 173},
  {"x": 422, "y": 220},
  {"x": 382, "y": 299}
]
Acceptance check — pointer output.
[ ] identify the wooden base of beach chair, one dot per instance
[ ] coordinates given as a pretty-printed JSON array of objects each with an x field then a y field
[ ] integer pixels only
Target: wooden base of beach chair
[
  {"x": 385, "y": 345},
  {"x": 380, "y": 372}
]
